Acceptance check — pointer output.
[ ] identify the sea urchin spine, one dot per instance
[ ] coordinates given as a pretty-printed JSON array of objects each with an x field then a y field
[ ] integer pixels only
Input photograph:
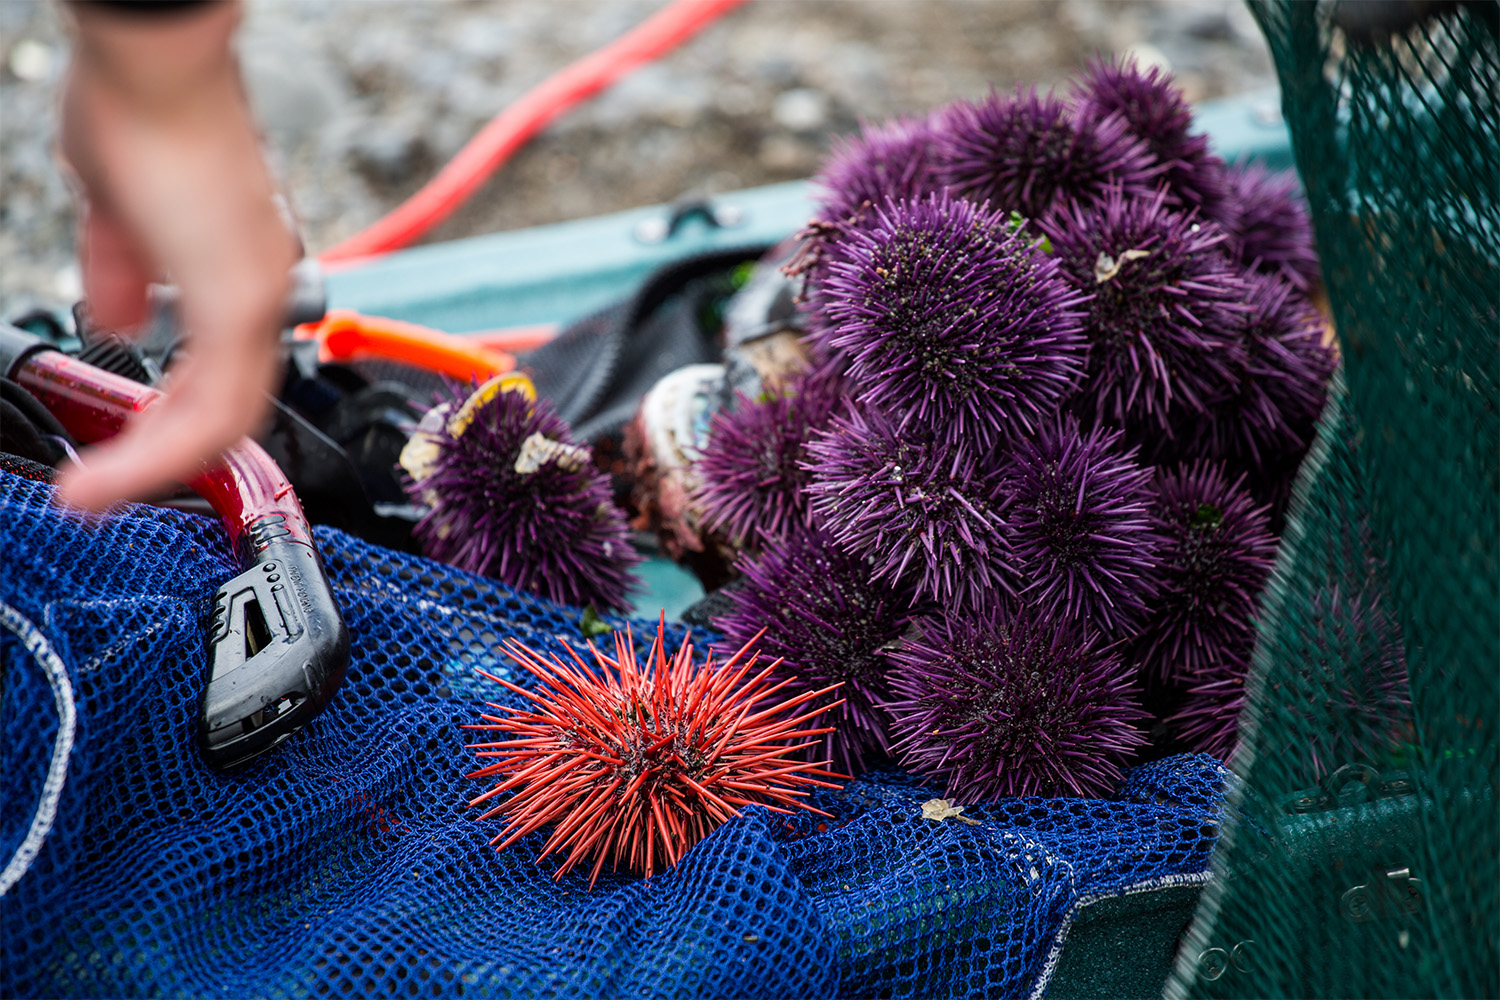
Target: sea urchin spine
[
  {"x": 752, "y": 482},
  {"x": 1155, "y": 112},
  {"x": 1216, "y": 556},
  {"x": 635, "y": 763},
  {"x": 1006, "y": 702},
  {"x": 1283, "y": 385},
  {"x": 1028, "y": 154},
  {"x": 953, "y": 321},
  {"x": 829, "y": 624},
  {"x": 1082, "y": 546},
  {"x": 892, "y": 160},
  {"x": 1162, "y": 321},
  {"x": 1268, "y": 224},
  {"x": 916, "y": 508}
]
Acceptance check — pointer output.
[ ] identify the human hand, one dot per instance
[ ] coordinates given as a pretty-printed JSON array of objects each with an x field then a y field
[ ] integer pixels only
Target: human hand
[{"x": 158, "y": 135}]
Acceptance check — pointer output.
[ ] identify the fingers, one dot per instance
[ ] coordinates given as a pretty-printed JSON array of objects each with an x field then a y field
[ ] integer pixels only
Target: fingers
[
  {"x": 212, "y": 402},
  {"x": 234, "y": 273},
  {"x": 233, "y": 292}
]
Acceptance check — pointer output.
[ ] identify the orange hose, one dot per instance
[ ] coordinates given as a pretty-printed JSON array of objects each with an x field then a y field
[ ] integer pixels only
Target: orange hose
[{"x": 509, "y": 130}]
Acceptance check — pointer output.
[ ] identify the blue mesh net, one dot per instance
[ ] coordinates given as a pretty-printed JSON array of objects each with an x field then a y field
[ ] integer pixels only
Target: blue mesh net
[{"x": 346, "y": 863}]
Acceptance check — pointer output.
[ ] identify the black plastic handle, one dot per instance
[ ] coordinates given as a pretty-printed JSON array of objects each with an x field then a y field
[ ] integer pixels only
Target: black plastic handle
[{"x": 277, "y": 651}]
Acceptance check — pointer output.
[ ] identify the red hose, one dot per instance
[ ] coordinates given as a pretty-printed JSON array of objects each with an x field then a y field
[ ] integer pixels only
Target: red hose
[
  {"x": 510, "y": 129},
  {"x": 244, "y": 486}
]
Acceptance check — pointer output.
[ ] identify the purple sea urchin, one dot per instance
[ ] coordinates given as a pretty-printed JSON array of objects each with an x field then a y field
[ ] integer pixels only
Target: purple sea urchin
[
  {"x": 829, "y": 624},
  {"x": 1027, "y": 154},
  {"x": 1217, "y": 553},
  {"x": 1008, "y": 702},
  {"x": 1281, "y": 385},
  {"x": 752, "y": 480},
  {"x": 1340, "y": 689},
  {"x": 1162, "y": 321},
  {"x": 1082, "y": 545},
  {"x": 1267, "y": 224},
  {"x": 1154, "y": 112},
  {"x": 893, "y": 160},
  {"x": 1348, "y": 690},
  {"x": 1208, "y": 719},
  {"x": 915, "y": 508},
  {"x": 952, "y": 321},
  {"x": 515, "y": 498}
]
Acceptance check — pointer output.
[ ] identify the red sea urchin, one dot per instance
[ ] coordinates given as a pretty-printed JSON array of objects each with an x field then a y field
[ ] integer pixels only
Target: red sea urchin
[
  {"x": 1154, "y": 112},
  {"x": 512, "y": 496},
  {"x": 635, "y": 763},
  {"x": 1006, "y": 702},
  {"x": 829, "y": 624},
  {"x": 915, "y": 508},
  {"x": 1082, "y": 545},
  {"x": 1216, "y": 557},
  {"x": 1028, "y": 154},
  {"x": 1162, "y": 320},
  {"x": 752, "y": 482},
  {"x": 952, "y": 321}
]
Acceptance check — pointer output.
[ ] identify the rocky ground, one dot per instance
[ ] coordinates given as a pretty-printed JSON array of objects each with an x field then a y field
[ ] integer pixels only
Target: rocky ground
[{"x": 362, "y": 100}]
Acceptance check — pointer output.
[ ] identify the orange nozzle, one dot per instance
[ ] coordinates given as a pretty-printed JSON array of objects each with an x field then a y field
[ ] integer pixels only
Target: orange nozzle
[{"x": 344, "y": 334}]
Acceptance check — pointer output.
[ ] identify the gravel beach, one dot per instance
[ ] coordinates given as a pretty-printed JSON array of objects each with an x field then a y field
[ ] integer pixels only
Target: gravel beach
[{"x": 363, "y": 101}]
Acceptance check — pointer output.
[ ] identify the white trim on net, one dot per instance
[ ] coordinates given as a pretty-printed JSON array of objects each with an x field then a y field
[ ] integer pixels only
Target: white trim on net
[
  {"x": 1054, "y": 954},
  {"x": 62, "y": 747}
]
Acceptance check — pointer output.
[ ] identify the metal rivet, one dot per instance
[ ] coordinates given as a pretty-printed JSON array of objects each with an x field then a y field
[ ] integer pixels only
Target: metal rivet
[
  {"x": 1358, "y": 904},
  {"x": 1213, "y": 962},
  {"x": 1407, "y": 890}
]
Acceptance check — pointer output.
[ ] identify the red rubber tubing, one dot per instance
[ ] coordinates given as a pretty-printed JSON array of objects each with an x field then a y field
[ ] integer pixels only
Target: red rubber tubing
[
  {"x": 244, "y": 487},
  {"x": 509, "y": 130}
]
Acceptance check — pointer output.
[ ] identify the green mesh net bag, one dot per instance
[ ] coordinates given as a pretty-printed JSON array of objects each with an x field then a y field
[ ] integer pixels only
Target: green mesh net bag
[{"x": 1360, "y": 858}]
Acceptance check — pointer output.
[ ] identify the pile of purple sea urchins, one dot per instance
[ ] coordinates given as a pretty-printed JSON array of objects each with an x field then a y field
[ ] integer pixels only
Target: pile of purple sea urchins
[{"x": 1078, "y": 368}]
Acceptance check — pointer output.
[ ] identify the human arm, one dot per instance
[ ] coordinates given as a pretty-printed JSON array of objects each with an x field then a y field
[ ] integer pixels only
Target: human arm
[{"x": 157, "y": 131}]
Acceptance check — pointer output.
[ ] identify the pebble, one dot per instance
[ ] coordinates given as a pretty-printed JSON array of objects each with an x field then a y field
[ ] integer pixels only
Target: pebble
[
  {"x": 31, "y": 60},
  {"x": 390, "y": 150},
  {"x": 800, "y": 110}
]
